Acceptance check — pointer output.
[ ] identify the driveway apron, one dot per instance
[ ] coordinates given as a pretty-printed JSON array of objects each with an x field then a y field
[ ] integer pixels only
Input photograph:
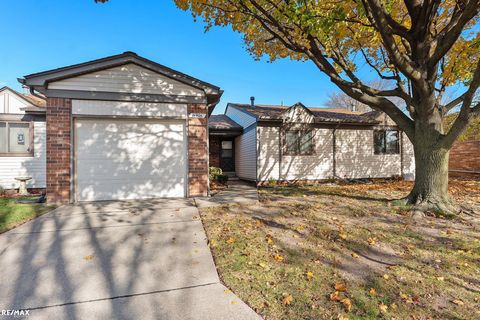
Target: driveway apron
[{"x": 115, "y": 260}]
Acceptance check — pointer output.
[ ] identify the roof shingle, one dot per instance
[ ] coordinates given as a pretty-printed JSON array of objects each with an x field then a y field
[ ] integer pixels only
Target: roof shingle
[
  {"x": 222, "y": 122},
  {"x": 273, "y": 112}
]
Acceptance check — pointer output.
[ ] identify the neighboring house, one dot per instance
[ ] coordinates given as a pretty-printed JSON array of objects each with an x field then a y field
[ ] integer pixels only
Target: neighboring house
[
  {"x": 263, "y": 142},
  {"x": 22, "y": 139},
  {"x": 124, "y": 127}
]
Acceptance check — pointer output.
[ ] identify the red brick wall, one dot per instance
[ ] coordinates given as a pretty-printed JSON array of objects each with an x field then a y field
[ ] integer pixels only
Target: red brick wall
[
  {"x": 197, "y": 152},
  {"x": 214, "y": 151},
  {"x": 465, "y": 156},
  {"x": 58, "y": 115}
]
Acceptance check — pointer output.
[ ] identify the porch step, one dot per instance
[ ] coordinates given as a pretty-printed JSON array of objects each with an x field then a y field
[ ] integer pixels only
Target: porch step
[{"x": 230, "y": 175}]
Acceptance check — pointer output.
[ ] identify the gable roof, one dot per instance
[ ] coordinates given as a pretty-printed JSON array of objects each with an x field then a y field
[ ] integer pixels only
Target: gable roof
[
  {"x": 328, "y": 115},
  {"x": 222, "y": 122},
  {"x": 44, "y": 77},
  {"x": 40, "y": 81},
  {"x": 36, "y": 104}
]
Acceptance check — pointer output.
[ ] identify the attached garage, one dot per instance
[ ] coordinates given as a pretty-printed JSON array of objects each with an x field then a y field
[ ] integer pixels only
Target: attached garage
[
  {"x": 129, "y": 159},
  {"x": 124, "y": 127}
]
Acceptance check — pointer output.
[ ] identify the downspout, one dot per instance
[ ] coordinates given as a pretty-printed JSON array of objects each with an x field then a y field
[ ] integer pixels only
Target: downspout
[{"x": 32, "y": 92}]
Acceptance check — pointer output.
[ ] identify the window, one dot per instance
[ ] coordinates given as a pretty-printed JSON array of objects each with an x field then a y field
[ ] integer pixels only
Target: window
[
  {"x": 227, "y": 149},
  {"x": 386, "y": 142},
  {"x": 298, "y": 142},
  {"x": 16, "y": 138}
]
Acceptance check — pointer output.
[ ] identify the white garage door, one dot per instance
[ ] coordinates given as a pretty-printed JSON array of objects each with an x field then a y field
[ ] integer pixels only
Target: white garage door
[{"x": 129, "y": 159}]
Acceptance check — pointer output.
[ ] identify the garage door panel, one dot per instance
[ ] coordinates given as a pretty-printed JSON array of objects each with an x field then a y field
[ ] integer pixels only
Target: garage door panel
[{"x": 129, "y": 159}]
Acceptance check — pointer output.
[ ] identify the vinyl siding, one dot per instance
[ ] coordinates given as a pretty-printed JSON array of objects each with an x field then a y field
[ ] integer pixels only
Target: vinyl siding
[
  {"x": 242, "y": 118},
  {"x": 356, "y": 159},
  {"x": 313, "y": 167},
  {"x": 268, "y": 155},
  {"x": 11, "y": 167},
  {"x": 127, "y": 78},
  {"x": 11, "y": 103},
  {"x": 119, "y": 108},
  {"x": 246, "y": 154},
  {"x": 408, "y": 159}
]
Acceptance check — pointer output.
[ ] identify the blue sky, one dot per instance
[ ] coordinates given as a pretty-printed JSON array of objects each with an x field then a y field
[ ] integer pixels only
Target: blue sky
[{"x": 43, "y": 34}]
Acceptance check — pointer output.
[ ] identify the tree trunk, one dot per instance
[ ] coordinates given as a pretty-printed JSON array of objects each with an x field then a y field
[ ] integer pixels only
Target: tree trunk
[{"x": 430, "y": 191}]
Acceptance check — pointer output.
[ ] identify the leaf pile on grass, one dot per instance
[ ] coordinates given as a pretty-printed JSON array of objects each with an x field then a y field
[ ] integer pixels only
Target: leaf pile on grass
[
  {"x": 343, "y": 253},
  {"x": 13, "y": 214}
]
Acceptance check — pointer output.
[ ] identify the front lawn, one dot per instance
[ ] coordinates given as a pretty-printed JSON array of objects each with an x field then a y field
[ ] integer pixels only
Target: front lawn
[
  {"x": 344, "y": 252},
  {"x": 13, "y": 214}
]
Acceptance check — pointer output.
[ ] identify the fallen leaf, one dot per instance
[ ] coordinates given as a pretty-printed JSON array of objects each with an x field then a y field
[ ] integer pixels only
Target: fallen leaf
[
  {"x": 347, "y": 303},
  {"x": 335, "y": 296},
  {"x": 230, "y": 240},
  {"x": 309, "y": 275},
  {"x": 440, "y": 278},
  {"x": 234, "y": 302},
  {"x": 287, "y": 300},
  {"x": 386, "y": 276},
  {"x": 89, "y": 257},
  {"x": 343, "y": 236},
  {"x": 227, "y": 291},
  {"x": 383, "y": 307},
  {"x": 269, "y": 239},
  {"x": 355, "y": 255},
  {"x": 340, "y": 286},
  {"x": 278, "y": 257},
  {"x": 373, "y": 292},
  {"x": 458, "y": 302}
]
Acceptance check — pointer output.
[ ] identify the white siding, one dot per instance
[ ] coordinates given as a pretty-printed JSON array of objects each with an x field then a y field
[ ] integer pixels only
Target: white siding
[
  {"x": 315, "y": 167},
  {"x": 355, "y": 157},
  {"x": 119, "y": 108},
  {"x": 246, "y": 154},
  {"x": 128, "y": 78},
  {"x": 408, "y": 159},
  {"x": 268, "y": 155},
  {"x": 12, "y": 103},
  {"x": 240, "y": 117},
  {"x": 11, "y": 167}
]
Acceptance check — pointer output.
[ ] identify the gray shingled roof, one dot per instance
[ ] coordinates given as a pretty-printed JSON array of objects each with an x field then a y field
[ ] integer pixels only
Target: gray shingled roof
[
  {"x": 222, "y": 122},
  {"x": 273, "y": 112}
]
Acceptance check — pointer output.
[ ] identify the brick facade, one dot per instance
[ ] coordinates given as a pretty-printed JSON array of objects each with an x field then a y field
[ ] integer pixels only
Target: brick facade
[
  {"x": 465, "y": 160},
  {"x": 197, "y": 151},
  {"x": 58, "y": 117},
  {"x": 214, "y": 151}
]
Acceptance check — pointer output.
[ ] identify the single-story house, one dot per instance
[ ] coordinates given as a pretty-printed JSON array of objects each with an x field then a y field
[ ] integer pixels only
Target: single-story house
[
  {"x": 265, "y": 143},
  {"x": 22, "y": 139},
  {"x": 124, "y": 127}
]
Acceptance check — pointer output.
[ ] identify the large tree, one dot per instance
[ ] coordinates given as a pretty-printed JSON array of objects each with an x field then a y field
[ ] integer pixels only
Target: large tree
[{"x": 421, "y": 46}]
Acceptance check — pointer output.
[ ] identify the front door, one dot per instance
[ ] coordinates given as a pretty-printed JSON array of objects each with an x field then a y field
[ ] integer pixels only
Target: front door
[{"x": 227, "y": 160}]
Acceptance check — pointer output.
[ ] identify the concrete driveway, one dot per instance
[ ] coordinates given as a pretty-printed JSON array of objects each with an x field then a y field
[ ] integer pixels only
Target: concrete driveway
[{"x": 115, "y": 260}]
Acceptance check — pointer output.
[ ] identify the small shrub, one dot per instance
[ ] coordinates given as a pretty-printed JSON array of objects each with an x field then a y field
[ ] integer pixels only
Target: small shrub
[
  {"x": 272, "y": 182},
  {"x": 223, "y": 179},
  {"x": 216, "y": 174},
  {"x": 213, "y": 172}
]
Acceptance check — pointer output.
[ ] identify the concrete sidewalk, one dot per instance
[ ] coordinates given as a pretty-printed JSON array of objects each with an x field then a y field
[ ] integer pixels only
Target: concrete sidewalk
[
  {"x": 115, "y": 260},
  {"x": 242, "y": 192}
]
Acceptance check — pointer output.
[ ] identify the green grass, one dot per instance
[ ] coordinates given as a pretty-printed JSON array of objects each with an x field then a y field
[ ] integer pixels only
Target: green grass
[
  {"x": 13, "y": 214},
  {"x": 264, "y": 253}
]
